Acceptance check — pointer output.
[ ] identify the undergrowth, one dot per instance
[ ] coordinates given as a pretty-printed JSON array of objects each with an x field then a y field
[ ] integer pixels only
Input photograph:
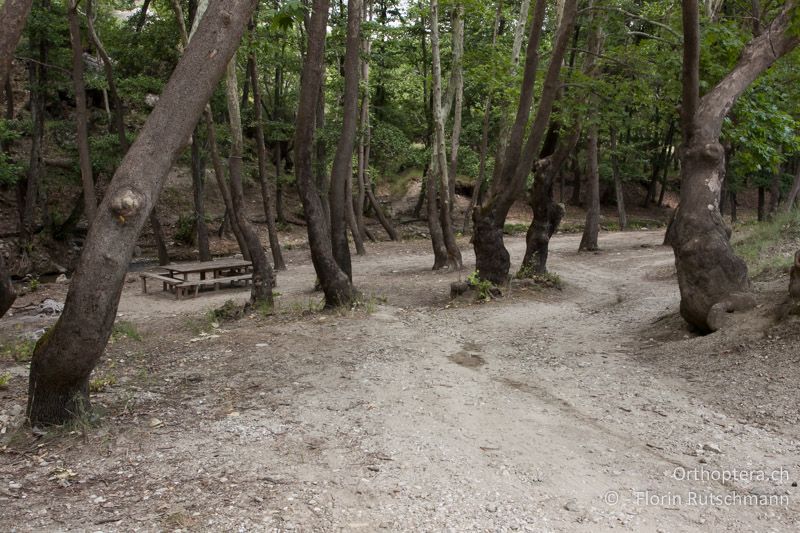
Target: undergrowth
[{"x": 768, "y": 247}]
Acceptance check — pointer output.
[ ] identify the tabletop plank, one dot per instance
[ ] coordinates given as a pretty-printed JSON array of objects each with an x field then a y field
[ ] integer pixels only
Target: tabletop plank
[{"x": 207, "y": 266}]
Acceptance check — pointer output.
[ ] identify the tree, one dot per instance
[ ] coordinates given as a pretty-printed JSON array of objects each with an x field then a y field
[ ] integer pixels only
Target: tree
[
  {"x": 7, "y": 292},
  {"x": 64, "y": 358},
  {"x": 261, "y": 286},
  {"x": 340, "y": 195},
  {"x": 335, "y": 283},
  {"x": 492, "y": 259},
  {"x": 13, "y": 15},
  {"x": 709, "y": 272},
  {"x": 81, "y": 115}
]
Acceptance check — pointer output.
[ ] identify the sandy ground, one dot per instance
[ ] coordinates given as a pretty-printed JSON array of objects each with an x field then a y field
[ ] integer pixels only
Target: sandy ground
[{"x": 588, "y": 409}]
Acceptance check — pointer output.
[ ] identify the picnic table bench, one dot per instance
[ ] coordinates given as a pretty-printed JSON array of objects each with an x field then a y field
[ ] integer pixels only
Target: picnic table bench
[{"x": 176, "y": 278}]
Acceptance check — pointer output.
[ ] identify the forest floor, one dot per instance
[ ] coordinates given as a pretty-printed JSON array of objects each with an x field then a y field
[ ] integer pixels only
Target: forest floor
[{"x": 590, "y": 408}]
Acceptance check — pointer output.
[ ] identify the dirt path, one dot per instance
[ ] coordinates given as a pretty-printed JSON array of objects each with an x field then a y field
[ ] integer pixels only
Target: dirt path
[{"x": 543, "y": 411}]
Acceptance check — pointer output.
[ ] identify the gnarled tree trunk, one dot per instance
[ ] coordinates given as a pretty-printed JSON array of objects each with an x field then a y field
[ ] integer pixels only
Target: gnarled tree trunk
[
  {"x": 64, "y": 358},
  {"x": 708, "y": 269},
  {"x": 13, "y": 15},
  {"x": 334, "y": 281}
]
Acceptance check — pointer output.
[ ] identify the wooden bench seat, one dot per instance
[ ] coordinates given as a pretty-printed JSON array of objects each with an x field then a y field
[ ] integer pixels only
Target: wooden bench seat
[
  {"x": 184, "y": 286},
  {"x": 169, "y": 283}
]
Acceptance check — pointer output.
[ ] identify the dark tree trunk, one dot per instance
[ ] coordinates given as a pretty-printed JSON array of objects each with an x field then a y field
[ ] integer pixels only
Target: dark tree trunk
[
  {"x": 81, "y": 114},
  {"x": 13, "y": 14},
  {"x": 577, "y": 178},
  {"x": 158, "y": 236},
  {"x": 547, "y": 214},
  {"x": 491, "y": 257},
  {"x": 261, "y": 150},
  {"x": 795, "y": 191},
  {"x": 761, "y": 210},
  {"x": 709, "y": 272},
  {"x": 592, "y": 226},
  {"x": 774, "y": 195},
  {"x": 619, "y": 192},
  {"x": 64, "y": 358},
  {"x": 141, "y": 17},
  {"x": 340, "y": 194},
  {"x": 322, "y": 180},
  {"x": 261, "y": 286},
  {"x": 334, "y": 281},
  {"x": 198, "y": 192},
  {"x": 7, "y": 292}
]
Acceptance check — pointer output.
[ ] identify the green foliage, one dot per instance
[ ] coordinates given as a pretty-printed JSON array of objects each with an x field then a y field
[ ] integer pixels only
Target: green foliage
[
  {"x": 102, "y": 383},
  {"x": 390, "y": 148},
  {"x": 5, "y": 378},
  {"x": 20, "y": 350},
  {"x": 186, "y": 229},
  {"x": 483, "y": 288},
  {"x": 768, "y": 247},
  {"x": 124, "y": 329},
  {"x": 514, "y": 228}
]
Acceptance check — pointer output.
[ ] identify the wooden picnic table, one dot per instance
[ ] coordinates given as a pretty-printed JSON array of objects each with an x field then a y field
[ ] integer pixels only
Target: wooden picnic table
[
  {"x": 176, "y": 279},
  {"x": 237, "y": 266}
]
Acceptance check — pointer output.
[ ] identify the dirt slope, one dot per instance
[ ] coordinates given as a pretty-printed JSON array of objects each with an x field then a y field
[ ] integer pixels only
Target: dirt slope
[{"x": 543, "y": 411}]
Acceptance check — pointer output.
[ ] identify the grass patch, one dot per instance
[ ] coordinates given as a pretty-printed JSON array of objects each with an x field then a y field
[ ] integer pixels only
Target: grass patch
[
  {"x": 20, "y": 351},
  {"x": 100, "y": 384},
  {"x": 5, "y": 378},
  {"x": 125, "y": 329},
  {"x": 768, "y": 247},
  {"x": 515, "y": 229}
]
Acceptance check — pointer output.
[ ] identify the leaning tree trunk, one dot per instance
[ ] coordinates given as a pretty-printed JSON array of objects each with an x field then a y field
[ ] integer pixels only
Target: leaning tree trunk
[
  {"x": 592, "y": 226},
  {"x": 13, "y": 15},
  {"x": 440, "y": 163},
  {"x": 340, "y": 201},
  {"x": 334, "y": 281},
  {"x": 794, "y": 192},
  {"x": 709, "y": 272},
  {"x": 119, "y": 125},
  {"x": 81, "y": 114},
  {"x": 64, "y": 358},
  {"x": 261, "y": 286},
  {"x": 7, "y": 292},
  {"x": 491, "y": 257},
  {"x": 261, "y": 150}
]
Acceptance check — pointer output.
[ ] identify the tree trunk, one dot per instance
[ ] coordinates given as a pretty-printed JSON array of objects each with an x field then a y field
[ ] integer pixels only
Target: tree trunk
[
  {"x": 13, "y": 14},
  {"x": 322, "y": 180},
  {"x": 198, "y": 193},
  {"x": 774, "y": 194},
  {"x": 142, "y": 16},
  {"x": 792, "y": 198},
  {"x": 439, "y": 165},
  {"x": 335, "y": 283},
  {"x": 592, "y": 226},
  {"x": 65, "y": 356},
  {"x": 158, "y": 236},
  {"x": 364, "y": 137},
  {"x": 261, "y": 150},
  {"x": 81, "y": 114},
  {"x": 761, "y": 215},
  {"x": 708, "y": 269},
  {"x": 457, "y": 81},
  {"x": 491, "y": 257},
  {"x": 261, "y": 286},
  {"x": 340, "y": 195},
  {"x": 7, "y": 292},
  {"x": 618, "y": 189}
]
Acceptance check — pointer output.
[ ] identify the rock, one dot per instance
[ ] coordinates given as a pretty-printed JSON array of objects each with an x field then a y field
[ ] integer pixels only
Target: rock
[
  {"x": 62, "y": 278},
  {"x": 151, "y": 99},
  {"x": 573, "y": 506},
  {"x": 155, "y": 422},
  {"x": 49, "y": 307},
  {"x": 711, "y": 447},
  {"x": 457, "y": 288}
]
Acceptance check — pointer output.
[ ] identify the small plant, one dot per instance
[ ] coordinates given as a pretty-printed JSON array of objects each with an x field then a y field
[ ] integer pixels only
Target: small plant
[
  {"x": 124, "y": 329},
  {"x": 186, "y": 232},
  {"x": 514, "y": 229},
  {"x": 482, "y": 287},
  {"x": 34, "y": 285},
  {"x": 229, "y": 311},
  {"x": 5, "y": 378},
  {"x": 20, "y": 351},
  {"x": 100, "y": 384}
]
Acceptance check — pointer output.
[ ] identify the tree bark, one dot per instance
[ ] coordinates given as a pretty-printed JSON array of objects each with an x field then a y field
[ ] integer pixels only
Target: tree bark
[
  {"x": 64, "y": 358},
  {"x": 13, "y": 15},
  {"x": 592, "y": 226},
  {"x": 198, "y": 193},
  {"x": 261, "y": 150},
  {"x": 457, "y": 82},
  {"x": 794, "y": 192},
  {"x": 335, "y": 283},
  {"x": 364, "y": 137},
  {"x": 7, "y": 292},
  {"x": 491, "y": 257},
  {"x": 774, "y": 194},
  {"x": 261, "y": 286},
  {"x": 708, "y": 269},
  {"x": 81, "y": 114},
  {"x": 341, "y": 202},
  {"x": 618, "y": 189},
  {"x": 440, "y": 165}
]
